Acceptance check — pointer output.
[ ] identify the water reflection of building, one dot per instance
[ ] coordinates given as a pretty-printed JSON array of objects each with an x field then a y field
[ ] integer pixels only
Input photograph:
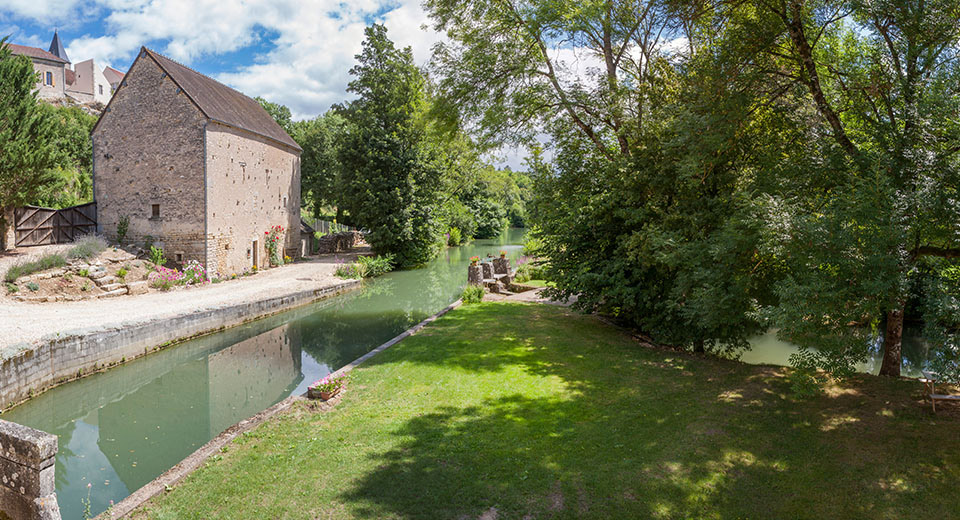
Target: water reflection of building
[{"x": 151, "y": 429}]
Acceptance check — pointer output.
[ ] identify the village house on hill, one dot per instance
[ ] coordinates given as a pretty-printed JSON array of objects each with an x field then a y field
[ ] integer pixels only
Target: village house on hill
[
  {"x": 56, "y": 80},
  {"x": 197, "y": 167}
]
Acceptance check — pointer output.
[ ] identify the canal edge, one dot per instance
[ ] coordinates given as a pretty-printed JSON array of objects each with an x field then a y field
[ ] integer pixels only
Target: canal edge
[
  {"x": 193, "y": 461},
  {"x": 54, "y": 362}
]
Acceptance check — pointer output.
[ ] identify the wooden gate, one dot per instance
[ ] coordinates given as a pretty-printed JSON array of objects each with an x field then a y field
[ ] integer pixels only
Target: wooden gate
[{"x": 36, "y": 226}]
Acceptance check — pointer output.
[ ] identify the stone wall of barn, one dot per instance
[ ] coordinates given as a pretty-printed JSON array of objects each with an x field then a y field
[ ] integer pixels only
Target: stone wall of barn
[
  {"x": 253, "y": 184},
  {"x": 148, "y": 164}
]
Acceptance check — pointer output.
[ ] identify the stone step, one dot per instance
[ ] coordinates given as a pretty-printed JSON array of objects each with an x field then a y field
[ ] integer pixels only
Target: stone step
[
  {"x": 116, "y": 292},
  {"x": 111, "y": 286},
  {"x": 97, "y": 273},
  {"x": 106, "y": 280}
]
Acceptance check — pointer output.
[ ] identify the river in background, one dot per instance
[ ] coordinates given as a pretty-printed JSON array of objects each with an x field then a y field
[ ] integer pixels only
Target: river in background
[{"x": 120, "y": 429}]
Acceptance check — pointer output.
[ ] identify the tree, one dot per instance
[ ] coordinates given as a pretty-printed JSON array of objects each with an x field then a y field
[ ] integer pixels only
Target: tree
[
  {"x": 880, "y": 75},
  {"x": 74, "y": 184},
  {"x": 320, "y": 170},
  {"x": 391, "y": 184},
  {"x": 280, "y": 113},
  {"x": 27, "y": 136}
]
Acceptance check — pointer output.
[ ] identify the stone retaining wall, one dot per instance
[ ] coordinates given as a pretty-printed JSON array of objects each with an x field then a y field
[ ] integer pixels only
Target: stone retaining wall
[
  {"x": 26, "y": 473},
  {"x": 29, "y": 370}
]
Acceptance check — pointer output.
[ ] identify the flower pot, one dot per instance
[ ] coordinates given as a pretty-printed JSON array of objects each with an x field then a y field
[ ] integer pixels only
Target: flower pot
[{"x": 314, "y": 393}]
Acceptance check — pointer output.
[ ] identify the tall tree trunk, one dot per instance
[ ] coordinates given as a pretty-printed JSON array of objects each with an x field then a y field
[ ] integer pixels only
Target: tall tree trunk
[
  {"x": 698, "y": 346},
  {"x": 892, "y": 340}
]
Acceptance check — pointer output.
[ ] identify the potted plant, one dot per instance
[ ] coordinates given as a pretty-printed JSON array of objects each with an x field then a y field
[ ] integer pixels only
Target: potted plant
[
  {"x": 326, "y": 388},
  {"x": 474, "y": 260}
]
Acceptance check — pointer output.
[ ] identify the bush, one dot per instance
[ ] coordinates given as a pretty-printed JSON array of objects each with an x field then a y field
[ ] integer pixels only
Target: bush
[
  {"x": 11, "y": 288},
  {"x": 156, "y": 256},
  {"x": 375, "y": 266},
  {"x": 122, "y": 273},
  {"x": 27, "y": 268},
  {"x": 194, "y": 273},
  {"x": 87, "y": 247},
  {"x": 472, "y": 294},
  {"x": 33, "y": 286},
  {"x": 365, "y": 267},
  {"x": 123, "y": 225},
  {"x": 164, "y": 278},
  {"x": 453, "y": 237}
]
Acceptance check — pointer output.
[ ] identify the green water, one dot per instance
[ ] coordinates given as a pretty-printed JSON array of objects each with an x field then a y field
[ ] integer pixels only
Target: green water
[
  {"x": 121, "y": 429},
  {"x": 768, "y": 349}
]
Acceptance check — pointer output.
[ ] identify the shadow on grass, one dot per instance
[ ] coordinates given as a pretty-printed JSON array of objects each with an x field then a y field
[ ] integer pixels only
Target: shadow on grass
[{"x": 642, "y": 433}]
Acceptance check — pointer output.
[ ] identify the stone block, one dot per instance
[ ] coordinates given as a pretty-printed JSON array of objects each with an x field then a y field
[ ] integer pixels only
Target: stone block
[
  {"x": 137, "y": 288},
  {"x": 116, "y": 292},
  {"x": 487, "y": 270},
  {"x": 501, "y": 265},
  {"x": 27, "y": 484},
  {"x": 474, "y": 275}
]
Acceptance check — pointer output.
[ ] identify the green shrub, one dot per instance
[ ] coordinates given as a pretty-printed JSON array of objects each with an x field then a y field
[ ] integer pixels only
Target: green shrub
[
  {"x": 472, "y": 294},
  {"x": 375, "y": 266},
  {"x": 27, "y": 268},
  {"x": 33, "y": 286},
  {"x": 84, "y": 273},
  {"x": 156, "y": 256},
  {"x": 87, "y": 247},
  {"x": 123, "y": 225},
  {"x": 453, "y": 237},
  {"x": 122, "y": 273},
  {"x": 11, "y": 288},
  {"x": 365, "y": 267}
]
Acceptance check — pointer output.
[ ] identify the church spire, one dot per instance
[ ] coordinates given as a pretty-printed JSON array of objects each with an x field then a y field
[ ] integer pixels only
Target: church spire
[{"x": 56, "y": 47}]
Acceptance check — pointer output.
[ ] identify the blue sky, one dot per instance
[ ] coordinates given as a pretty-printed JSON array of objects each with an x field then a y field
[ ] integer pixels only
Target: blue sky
[{"x": 295, "y": 52}]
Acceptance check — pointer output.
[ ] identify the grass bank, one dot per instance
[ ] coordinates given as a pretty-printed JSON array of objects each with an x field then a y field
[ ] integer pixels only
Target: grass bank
[{"x": 503, "y": 410}]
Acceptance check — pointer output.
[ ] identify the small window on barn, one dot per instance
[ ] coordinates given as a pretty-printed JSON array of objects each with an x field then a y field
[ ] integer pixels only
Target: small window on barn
[
  {"x": 178, "y": 257},
  {"x": 101, "y": 89},
  {"x": 49, "y": 78},
  {"x": 155, "y": 211}
]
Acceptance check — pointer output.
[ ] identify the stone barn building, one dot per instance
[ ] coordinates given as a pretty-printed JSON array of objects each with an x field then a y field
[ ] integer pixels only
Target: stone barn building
[{"x": 197, "y": 167}]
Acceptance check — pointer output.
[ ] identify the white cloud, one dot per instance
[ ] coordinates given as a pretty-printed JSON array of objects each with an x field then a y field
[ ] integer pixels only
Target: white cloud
[
  {"x": 40, "y": 10},
  {"x": 311, "y": 43}
]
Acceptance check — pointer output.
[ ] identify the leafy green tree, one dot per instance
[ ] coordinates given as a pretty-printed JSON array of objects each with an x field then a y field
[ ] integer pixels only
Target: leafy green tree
[
  {"x": 280, "y": 113},
  {"x": 879, "y": 75},
  {"x": 74, "y": 183},
  {"x": 27, "y": 136},
  {"x": 391, "y": 182},
  {"x": 320, "y": 170}
]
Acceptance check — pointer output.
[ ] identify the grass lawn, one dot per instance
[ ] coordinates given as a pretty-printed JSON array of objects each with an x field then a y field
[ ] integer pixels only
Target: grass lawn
[
  {"x": 505, "y": 410},
  {"x": 538, "y": 283}
]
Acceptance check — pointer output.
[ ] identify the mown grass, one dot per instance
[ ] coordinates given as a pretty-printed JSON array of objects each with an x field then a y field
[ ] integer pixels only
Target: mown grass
[
  {"x": 538, "y": 283},
  {"x": 505, "y": 410}
]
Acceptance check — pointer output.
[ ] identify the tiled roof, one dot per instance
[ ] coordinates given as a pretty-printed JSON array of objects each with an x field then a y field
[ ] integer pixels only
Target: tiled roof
[
  {"x": 113, "y": 75},
  {"x": 33, "y": 52},
  {"x": 222, "y": 103}
]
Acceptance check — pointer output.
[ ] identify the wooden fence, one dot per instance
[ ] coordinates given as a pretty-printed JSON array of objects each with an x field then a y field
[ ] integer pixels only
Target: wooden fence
[{"x": 36, "y": 226}]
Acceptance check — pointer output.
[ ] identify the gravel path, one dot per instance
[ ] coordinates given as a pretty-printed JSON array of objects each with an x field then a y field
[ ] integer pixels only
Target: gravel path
[{"x": 29, "y": 322}]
